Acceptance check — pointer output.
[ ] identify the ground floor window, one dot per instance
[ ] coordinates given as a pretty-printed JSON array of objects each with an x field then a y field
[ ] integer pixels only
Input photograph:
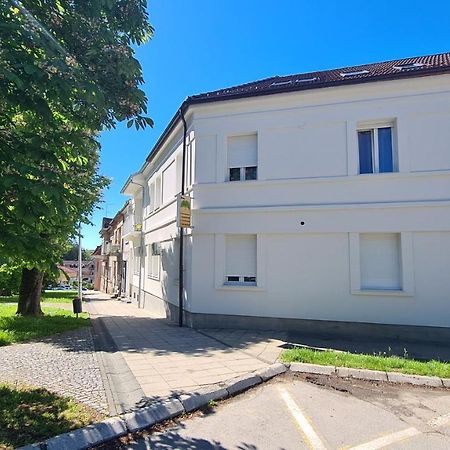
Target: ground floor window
[{"x": 240, "y": 259}]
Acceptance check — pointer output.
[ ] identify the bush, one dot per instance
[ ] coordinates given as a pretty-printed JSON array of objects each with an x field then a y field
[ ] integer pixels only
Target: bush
[{"x": 10, "y": 280}]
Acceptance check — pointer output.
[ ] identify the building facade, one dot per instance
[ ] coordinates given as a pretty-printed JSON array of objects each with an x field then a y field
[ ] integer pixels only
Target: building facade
[{"x": 320, "y": 202}]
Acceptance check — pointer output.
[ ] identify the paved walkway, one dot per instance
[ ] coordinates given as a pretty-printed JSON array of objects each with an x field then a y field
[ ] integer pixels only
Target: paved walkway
[
  {"x": 65, "y": 364},
  {"x": 165, "y": 359}
]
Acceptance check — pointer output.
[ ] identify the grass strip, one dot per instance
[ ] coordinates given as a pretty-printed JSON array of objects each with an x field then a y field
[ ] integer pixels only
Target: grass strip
[
  {"x": 29, "y": 415},
  {"x": 47, "y": 297},
  {"x": 18, "y": 329},
  {"x": 373, "y": 362}
]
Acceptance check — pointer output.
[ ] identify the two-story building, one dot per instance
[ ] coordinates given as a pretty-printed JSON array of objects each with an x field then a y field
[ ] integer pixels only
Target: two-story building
[{"x": 320, "y": 202}]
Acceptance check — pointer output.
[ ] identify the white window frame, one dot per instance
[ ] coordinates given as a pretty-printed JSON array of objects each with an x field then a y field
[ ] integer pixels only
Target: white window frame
[
  {"x": 220, "y": 265},
  {"x": 137, "y": 261},
  {"x": 151, "y": 273},
  {"x": 158, "y": 195},
  {"x": 242, "y": 173},
  {"x": 373, "y": 127},
  {"x": 407, "y": 267}
]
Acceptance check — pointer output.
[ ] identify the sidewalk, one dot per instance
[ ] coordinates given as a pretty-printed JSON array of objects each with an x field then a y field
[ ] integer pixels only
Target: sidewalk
[{"x": 166, "y": 359}]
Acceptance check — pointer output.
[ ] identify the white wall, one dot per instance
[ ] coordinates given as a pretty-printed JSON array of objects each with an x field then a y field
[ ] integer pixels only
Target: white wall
[
  {"x": 308, "y": 172},
  {"x": 307, "y": 277}
]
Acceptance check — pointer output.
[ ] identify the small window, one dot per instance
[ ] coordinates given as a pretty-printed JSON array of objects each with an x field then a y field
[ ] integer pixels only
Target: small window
[
  {"x": 240, "y": 256},
  {"x": 137, "y": 261},
  {"x": 154, "y": 263},
  {"x": 250, "y": 173},
  {"x": 354, "y": 74},
  {"x": 235, "y": 174},
  {"x": 376, "y": 152},
  {"x": 242, "y": 158}
]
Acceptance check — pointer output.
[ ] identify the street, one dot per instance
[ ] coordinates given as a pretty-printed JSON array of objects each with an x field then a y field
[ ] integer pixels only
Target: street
[{"x": 316, "y": 412}]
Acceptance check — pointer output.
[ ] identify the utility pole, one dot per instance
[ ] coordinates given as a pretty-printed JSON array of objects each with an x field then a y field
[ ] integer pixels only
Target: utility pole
[{"x": 80, "y": 262}]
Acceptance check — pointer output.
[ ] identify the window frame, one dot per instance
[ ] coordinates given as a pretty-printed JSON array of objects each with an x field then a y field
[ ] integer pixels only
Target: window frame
[
  {"x": 153, "y": 275},
  {"x": 220, "y": 274},
  {"x": 373, "y": 127},
  {"x": 406, "y": 261},
  {"x": 242, "y": 173}
]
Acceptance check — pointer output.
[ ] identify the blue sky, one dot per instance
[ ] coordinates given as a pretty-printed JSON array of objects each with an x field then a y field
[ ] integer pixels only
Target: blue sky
[{"x": 202, "y": 45}]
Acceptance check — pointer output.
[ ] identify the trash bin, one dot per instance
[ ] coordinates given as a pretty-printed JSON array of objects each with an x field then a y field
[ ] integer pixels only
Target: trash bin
[{"x": 76, "y": 303}]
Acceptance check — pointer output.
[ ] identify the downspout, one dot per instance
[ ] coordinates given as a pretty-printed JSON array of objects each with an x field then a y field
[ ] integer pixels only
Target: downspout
[
  {"x": 141, "y": 255},
  {"x": 181, "y": 262}
]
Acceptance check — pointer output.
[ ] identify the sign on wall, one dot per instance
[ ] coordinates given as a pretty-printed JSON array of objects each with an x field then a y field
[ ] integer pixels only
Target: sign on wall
[{"x": 184, "y": 211}]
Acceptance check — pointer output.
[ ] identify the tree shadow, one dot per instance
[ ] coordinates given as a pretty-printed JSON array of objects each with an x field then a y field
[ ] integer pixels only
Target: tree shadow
[{"x": 28, "y": 415}]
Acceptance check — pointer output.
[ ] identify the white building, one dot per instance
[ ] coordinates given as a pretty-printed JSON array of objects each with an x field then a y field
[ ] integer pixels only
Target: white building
[{"x": 321, "y": 202}]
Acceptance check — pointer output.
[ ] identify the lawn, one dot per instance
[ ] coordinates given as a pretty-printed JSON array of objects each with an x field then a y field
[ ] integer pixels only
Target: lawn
[
  {"x": 17, "y": 329},
  {"x": 373, "y": 362},
  {"x": 47, "y": 297},
  {"x": 28, "y": 415}
]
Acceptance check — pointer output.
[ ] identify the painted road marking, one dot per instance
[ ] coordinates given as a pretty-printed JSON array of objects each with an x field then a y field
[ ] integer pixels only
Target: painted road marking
[
  {"x": 388, "y": 439},
  {"x": 312, "y": 438}
]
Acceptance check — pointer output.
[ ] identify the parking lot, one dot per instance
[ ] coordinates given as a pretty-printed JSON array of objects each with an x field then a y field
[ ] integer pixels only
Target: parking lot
[{"x": 316, "y": 412}]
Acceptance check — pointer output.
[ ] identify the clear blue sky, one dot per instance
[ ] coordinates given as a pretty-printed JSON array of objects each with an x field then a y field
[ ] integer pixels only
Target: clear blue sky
[{"x": 202, "y": 45}]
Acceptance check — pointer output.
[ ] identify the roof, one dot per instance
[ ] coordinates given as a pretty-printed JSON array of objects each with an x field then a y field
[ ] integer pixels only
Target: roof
[{"x": 417, "y": 66}]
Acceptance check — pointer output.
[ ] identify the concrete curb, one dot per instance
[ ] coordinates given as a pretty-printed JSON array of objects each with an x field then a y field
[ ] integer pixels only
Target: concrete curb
[
  {"x": 371, "y": 375},
  {"x": 148, "y": 416}
]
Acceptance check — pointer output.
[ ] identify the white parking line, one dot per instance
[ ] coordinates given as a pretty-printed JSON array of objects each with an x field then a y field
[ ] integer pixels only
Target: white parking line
[
  {"x": 312, "y": 438},
  {"x": 388, "y": 439}
]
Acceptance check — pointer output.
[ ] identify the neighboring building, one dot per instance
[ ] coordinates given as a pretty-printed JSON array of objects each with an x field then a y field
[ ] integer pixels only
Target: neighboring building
[
  {"x": 320, "y": 201},
  {"x": 87, "y": 269},
  {"x": 111, "y": 266},
  {"x": 98, "y": 261}
]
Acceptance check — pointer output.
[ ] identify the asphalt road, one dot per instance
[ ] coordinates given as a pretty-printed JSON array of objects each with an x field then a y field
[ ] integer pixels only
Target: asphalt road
[{"x": 318, "y": 413}]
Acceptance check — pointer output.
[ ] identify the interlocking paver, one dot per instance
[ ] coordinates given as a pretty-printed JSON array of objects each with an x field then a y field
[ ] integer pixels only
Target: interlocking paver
[
  {"x": 164, "y": 358},
  {"x": 65, "y": 364}
]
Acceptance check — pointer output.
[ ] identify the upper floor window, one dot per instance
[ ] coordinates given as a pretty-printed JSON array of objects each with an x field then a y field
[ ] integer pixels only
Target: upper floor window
[
  {"x": 376, "y": 149},
  {"x": 242, "y": 158}
]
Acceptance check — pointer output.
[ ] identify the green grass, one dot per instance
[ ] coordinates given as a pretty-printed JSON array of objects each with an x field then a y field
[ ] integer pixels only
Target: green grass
[
  {"x": 28, "y": 415},
  {"x": 373, "y": 362},
  {"x": 47, "y": 297},
  {"x": 17, "y": 329}
]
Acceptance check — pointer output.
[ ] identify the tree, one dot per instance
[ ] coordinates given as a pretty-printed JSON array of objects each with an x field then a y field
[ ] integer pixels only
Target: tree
[
  {"x": 72, "y": 253},
  {"x": 67, "y": 71}
]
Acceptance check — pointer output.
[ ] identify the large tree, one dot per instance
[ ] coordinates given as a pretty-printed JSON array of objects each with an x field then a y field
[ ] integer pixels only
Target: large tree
[{"x": 67, "y": 71}]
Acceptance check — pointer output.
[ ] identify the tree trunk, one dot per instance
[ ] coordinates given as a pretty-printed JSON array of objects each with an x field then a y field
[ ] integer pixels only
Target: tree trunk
[{"x": 30, "y": 293}]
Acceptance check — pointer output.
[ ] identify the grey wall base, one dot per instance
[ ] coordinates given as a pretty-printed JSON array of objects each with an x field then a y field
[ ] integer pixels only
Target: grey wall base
[
  {"x": 319, "y": 328},
  {"x": 322, "y": 328}
]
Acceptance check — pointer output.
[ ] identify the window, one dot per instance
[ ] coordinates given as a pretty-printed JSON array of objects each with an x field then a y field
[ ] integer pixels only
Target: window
[
  {"x": 240, "y": 256},
  {"x": 242, "y": 158},
  {"x": 157, "y": 202},
  {"x": 169, "y": 183},
  {"x": 376, "y": 153},
  {"x": 137, "y": 260},
  {"x": 154, "y": 263},
  {"x": 380, "y": 261},
  {"x": 152, "y": 196}
]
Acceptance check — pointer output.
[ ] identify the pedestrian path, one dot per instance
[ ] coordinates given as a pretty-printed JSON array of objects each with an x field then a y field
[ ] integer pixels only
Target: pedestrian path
[{"x": 164, "y": 358}]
